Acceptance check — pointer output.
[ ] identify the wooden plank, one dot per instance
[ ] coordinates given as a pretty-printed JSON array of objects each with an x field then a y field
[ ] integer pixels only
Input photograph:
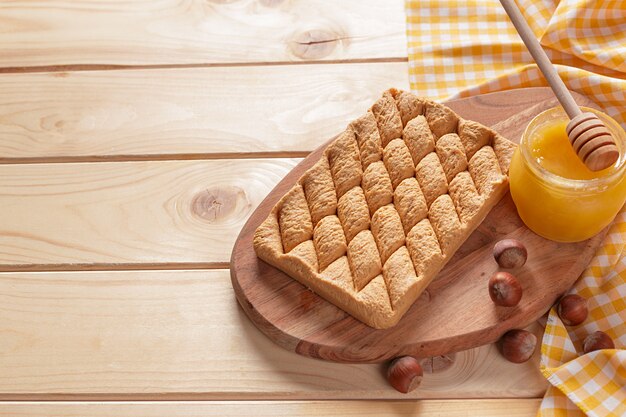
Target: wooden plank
[
  {"x": 181, "y": 335},
  {"x": 182, "y": 112},
  {"x": 118, "y": 32},
  {"x": 431, "y": 408},
  {"x": 129, "y": 212}
]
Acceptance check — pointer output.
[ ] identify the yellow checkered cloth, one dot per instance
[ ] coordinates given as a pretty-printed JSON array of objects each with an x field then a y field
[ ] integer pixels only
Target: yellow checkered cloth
[
  {"x": 460, "y": 48},
  {"x": 595, "y": 382}
]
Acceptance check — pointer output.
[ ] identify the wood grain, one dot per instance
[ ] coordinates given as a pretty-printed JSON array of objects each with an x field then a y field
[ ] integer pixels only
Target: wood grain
[
  {"x": 465, "y": 317},
  {"x": 159, "y": 335},
  {"x": 183, "y": 113},
  {"x": 129, "y": 212},
  {"x": 177, "y": 334},
  {"x": 431, "y": 408},
  {"x": 118, "y": 32}
]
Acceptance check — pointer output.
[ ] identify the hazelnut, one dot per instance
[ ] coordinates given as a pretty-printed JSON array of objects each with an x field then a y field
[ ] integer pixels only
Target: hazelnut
[
  {"x": 405, "y": 374},
  {"x": 517, "y": 345},
  {"x": 572, "y": 309},
  {"x": 504, "y": 289},
  {"x": 596, "y": 341},
  {"x": 510, "y": 253}
]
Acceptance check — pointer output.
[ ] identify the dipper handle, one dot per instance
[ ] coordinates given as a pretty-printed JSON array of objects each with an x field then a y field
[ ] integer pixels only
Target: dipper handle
[{"x": 590, "y": 138}]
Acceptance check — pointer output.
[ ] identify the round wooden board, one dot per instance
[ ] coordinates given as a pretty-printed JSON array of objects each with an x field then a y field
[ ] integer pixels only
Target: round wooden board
[{"x": 455, "y": 312}]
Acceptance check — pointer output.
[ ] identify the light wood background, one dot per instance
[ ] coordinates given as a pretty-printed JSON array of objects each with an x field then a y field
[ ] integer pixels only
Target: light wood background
[{"x": 135, "y": 140}]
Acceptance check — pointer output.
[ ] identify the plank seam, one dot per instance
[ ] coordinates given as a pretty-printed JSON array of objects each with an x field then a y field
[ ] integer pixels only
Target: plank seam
[
  {"x": 153, "y": 157},
  {"x": 119, "y": 67},
  {"x": 78, "y": 267},
  {"x": 235, "y": 396}
]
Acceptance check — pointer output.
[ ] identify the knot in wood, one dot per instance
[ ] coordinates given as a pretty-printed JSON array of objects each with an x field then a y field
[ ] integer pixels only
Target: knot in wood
[
  {"x": 314, "y": 44},
  {"x": 217, "y": 204},
  {"x": 437, "y": 364}
]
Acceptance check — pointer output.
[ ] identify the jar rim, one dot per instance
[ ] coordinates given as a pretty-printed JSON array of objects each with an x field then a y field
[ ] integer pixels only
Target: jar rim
[{"x": 615, "y": 129}]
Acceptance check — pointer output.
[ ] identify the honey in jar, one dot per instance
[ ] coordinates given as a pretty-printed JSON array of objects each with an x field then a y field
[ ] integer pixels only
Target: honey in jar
[{"x": 556, "y": 195}]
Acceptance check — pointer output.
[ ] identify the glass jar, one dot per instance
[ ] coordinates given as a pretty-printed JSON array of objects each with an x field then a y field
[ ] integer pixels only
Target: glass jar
[{"x": 559, "y": 208}]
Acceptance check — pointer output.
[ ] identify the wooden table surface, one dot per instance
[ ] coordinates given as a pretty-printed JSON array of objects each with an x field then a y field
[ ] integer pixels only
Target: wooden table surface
[{"x": 136, "y": 137}]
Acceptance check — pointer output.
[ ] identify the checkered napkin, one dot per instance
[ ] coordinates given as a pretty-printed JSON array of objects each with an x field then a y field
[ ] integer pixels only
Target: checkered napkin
[{"x": 460, "y": 48}]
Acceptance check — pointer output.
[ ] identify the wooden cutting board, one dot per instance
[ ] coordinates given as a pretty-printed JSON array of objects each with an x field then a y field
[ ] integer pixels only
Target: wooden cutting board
[{"x": 455, "y": 312}]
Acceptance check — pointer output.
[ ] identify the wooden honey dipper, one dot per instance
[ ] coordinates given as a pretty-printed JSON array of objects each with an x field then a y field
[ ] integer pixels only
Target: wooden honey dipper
[{"x": 591, "y": 139}]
